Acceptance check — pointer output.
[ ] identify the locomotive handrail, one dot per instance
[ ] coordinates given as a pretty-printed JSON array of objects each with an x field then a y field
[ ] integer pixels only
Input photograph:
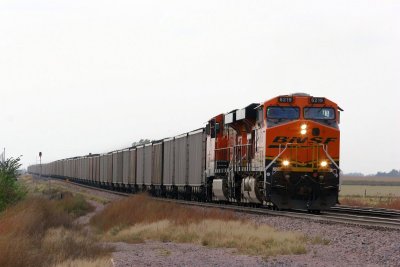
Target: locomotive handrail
[
  {"x": 276, "y": 158},
  {"x": 325, "y": 148},
  {"x": 237, "y": 154},
  {"x": 269, "y": 165}
]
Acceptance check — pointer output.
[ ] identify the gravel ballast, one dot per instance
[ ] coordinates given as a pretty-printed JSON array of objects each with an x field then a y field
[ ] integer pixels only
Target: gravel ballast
[{"x": 348, "y": 245}]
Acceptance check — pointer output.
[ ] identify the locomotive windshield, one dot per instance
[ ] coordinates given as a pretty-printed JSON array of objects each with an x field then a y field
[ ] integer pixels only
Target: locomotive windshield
[
  {"x": 283, "y": 113},
  {"x": 278, "y": 115},
  {"x": 319, "y": 113}
]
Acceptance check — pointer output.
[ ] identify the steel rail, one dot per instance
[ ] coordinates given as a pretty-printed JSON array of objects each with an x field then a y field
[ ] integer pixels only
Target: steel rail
[{"x": 366, "y": 211}]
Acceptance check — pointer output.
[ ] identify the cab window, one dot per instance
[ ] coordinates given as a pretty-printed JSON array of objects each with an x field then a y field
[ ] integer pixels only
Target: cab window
[
  {"x": 212, "y": 128},
  {"x": 277, "y": 115},
  {"x": 319, "y": 113},
  {"x": 322, "y": 115},
  {"x": 283, "y": 112}
]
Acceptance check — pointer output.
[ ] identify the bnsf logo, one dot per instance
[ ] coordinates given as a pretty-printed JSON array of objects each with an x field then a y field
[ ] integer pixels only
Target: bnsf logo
[{"x": 300, "y": 140}]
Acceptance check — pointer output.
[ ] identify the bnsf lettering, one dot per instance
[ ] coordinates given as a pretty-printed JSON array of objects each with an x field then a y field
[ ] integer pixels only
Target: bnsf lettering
[
  {"x": 299, "y": 140},
  {"x": 316, "y": 140},
  {"x": 329, "y": 139},
  {"x": 280, "y": 139}
]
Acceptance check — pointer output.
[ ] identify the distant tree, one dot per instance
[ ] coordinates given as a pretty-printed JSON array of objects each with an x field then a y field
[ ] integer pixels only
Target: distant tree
[
  {"x": 10, "y": 190},
  {"x": 358, "y": 174},
  {"x": 392, "y": 173},
  {"x": 141, "y": 142}
]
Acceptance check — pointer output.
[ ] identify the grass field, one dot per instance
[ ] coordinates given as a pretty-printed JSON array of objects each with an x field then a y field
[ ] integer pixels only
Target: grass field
[
  {"x": 370, "y": 178},
  {"x": 370, "y": 191},
  {"x": 370, "y": 196}
]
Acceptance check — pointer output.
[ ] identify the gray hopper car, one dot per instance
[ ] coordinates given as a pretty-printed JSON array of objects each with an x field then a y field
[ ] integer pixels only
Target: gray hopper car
[{"x": 169, "y": 167}]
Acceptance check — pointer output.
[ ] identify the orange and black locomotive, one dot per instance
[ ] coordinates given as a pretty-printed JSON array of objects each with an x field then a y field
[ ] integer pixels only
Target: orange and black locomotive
[{"x": 283, "y": 153}]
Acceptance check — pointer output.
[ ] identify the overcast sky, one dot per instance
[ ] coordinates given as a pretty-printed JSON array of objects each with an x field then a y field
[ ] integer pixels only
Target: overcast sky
[{"x": 94, "y": 76}]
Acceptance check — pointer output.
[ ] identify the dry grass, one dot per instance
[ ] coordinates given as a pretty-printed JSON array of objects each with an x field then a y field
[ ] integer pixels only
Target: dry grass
[
  {"x": 387, "y": 197},
  {"x": 246, "y": 237},
  {"x": 41, "y": 187},
  {"x": 140, "y": 218},
  {"x": 102, "y": 262},
  {"x": 383, "y": 179},
  {"x": 381, "y": 202},
  {"x": 40, "y": 232},
  {"x": 142, "y": 209},
  {"x": 370, "y": 191},
  {"x": 75, "y": 205}
]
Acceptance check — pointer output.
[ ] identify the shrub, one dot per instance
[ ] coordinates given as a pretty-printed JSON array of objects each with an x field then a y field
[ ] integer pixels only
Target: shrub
[
  {"x": 10, "y": 190},
  {"x": 74, "y": 205}
]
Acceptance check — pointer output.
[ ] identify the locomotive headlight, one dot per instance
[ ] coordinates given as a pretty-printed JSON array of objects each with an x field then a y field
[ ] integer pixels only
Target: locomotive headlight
[
  {"x": 285, "y": 163},
  {"x": 303, "y": 126},
  {"x": 303, "y": 131},
  {"x": 324, "y": 163}
]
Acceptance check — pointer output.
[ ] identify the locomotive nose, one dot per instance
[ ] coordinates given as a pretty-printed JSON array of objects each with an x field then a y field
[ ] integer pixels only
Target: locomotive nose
[{"x": 303, "y": 150}]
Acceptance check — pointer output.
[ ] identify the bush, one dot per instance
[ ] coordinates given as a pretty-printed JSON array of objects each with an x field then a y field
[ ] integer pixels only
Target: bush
[
  {"x": 10, "y": 190},
  {"x": 40, "y": 232},
  {"x": 74, "y": 205}
]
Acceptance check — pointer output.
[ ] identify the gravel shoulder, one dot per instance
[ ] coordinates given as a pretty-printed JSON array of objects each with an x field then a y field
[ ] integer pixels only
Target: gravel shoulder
[
  {"x": 154, "y": 253},
  {"x": 348, "y": 245}
]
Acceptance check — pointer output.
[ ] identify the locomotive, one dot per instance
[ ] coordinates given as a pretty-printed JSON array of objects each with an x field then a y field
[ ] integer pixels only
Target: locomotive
[{"x": 282, "y": 153}]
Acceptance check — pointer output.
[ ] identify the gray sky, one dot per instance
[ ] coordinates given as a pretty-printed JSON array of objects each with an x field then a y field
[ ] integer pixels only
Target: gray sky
[{"x": 93, "y": 76}]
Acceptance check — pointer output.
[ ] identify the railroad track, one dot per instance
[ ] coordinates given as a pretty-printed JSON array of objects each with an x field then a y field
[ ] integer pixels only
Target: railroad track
[
  {"x": 367, "y": 217},
  {"x": 324, "y": 217},
  {"x": 367, "y": 211}
]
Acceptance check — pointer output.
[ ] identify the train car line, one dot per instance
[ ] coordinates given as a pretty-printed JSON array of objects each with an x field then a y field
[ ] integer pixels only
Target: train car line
[{"x": 281, "y": 153}]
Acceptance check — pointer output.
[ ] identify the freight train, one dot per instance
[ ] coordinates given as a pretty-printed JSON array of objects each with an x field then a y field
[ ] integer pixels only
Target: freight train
[{"x": 282, "y": 153}]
